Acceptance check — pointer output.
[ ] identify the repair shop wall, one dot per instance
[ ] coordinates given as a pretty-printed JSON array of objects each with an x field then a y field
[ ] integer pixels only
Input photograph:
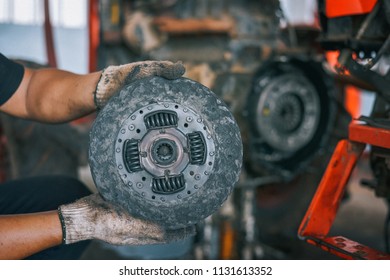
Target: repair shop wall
[{"x": 22, "y": 33}]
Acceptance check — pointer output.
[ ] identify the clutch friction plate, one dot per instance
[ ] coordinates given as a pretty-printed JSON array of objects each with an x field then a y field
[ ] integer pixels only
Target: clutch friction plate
[{"x": 168, "y": 151}]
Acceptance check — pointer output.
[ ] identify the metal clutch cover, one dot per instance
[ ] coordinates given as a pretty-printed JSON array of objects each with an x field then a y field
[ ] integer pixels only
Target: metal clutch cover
[{"x": 168, "y": 151}]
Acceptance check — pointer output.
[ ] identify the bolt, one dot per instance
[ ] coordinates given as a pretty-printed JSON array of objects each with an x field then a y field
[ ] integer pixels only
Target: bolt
[
  {"x": 189, "y": 119},
  {"x": 340, "y": 245},
  {"x": 150, "y": 107},
  {"x": 139, "y": 185},
  {"x": 123, "y": 131},
  {"x": 179, "y": 196},
  {"x": 360, "y": 252},
  {"x": 185, "y": 110},
  {"x": 162, "y": 131},
  {"x": 339, "y": 239},
  {"x": 197, "y": 177},
  {"x": 166, "y": 105},
  {"x": 130, "y": 184},
  {"x": 166, "y": 174},
  {"x": 196, "y": 187},
  {"x": 162, "y": 199},
  {"x": 209, "y": 136},
  {"x": 131, "y": 127},
  {"x": 211, "y": 153},
  {"x": 120, "y": 166},
  {"x": 133, "y": 117},
  {"x": 143, "y": 154},
  {"x": 118, "y": 150},
  {"x": 206, "y": 173},
  {"x": 199, "y": 120}
]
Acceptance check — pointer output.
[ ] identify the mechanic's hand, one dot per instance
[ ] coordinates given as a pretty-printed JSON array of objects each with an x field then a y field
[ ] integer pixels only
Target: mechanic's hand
[
  {"x": 93, "y": 218},
  {"x": 114, "y": 78}
]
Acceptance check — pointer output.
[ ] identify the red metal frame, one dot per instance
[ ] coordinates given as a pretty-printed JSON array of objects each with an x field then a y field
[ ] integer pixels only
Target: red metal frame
[
  {"x": 339, "y": 8},
  {"x": 322, "y": 211},
  {"x": 50, "y": 49},
  {"x": 94, "y": 31}
]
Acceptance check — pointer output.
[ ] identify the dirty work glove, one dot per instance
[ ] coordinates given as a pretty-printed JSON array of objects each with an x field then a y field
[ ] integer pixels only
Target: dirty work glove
[
  {"x": 93, "y": 218},
  {"x": 113, "y": 78}
]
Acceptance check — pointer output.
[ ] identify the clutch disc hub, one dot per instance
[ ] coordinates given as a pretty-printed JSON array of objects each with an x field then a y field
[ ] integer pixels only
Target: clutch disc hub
[{"x": 165, "y": 150}]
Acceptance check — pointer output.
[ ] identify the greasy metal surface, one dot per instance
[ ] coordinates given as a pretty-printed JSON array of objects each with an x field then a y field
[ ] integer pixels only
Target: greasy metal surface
[{"x": 198, "y": 109}]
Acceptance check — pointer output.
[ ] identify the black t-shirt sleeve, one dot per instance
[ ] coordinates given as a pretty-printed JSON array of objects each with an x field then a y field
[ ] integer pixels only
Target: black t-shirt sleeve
[{"x": 11, "y": 75}]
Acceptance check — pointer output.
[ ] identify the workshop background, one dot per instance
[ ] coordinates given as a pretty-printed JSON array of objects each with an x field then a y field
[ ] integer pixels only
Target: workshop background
[{"x": 273, "y": 66}]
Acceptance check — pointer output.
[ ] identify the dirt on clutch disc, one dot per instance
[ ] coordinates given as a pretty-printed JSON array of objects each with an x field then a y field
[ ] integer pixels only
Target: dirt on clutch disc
[{"x": 168, "y": 151}]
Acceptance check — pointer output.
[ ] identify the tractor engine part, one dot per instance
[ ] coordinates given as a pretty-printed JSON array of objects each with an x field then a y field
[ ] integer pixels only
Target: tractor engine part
[
  {"x": 168, "y": 151},
  {"x": 291, "y": 109}
]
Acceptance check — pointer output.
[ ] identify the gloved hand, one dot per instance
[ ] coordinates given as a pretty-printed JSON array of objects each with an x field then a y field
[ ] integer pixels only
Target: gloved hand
[
  {"x": 115, "y": 77},
  {"x": 92, "y": 217}
]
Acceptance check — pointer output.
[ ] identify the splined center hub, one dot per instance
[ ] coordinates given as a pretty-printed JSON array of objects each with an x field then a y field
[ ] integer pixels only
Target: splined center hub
[
  {"x": 288, "y": 113},
  {"x": 164, "y": 152}
]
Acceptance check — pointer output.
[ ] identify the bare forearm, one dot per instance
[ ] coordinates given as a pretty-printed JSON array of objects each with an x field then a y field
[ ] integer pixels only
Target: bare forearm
[
  {"x": 60, "y": 96},
  {"x": 27, "y": 234},
  {"x": 53, "y": 96}
]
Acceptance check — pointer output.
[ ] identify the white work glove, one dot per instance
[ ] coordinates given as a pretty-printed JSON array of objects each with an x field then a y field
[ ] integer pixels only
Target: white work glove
[
  {"x": 113, "y": 78},
  {"x": 92, "y": 217}
]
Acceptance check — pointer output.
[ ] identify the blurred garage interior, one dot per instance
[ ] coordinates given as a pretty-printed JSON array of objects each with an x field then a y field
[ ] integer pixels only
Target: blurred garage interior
[{"x": 276, "y": 64}]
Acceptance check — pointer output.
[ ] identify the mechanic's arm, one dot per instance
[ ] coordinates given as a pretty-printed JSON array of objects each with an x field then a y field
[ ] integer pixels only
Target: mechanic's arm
[
  {"x": 55, "y": 96},
  {"x": 52, "y": 95},
  {"x": 27, "y": 234},
  {"x": 88, "y": 218}
]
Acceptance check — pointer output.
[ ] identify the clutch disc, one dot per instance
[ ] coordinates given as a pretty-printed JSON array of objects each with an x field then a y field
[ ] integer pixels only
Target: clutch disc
[{"x": 166, "y": 150}]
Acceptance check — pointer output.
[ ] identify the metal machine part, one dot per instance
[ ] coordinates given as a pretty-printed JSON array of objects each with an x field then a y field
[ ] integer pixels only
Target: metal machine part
[
  {"x": 316, "y": 224},
  {"x": 288, "y": 113},
  {"x": 362, "y": 31},
  {"x": 232, "y": 40},
  {"x": 167, "y": 145},
  {"x": 291, "y": 110},
  {"x": 166, "y": 150}
]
